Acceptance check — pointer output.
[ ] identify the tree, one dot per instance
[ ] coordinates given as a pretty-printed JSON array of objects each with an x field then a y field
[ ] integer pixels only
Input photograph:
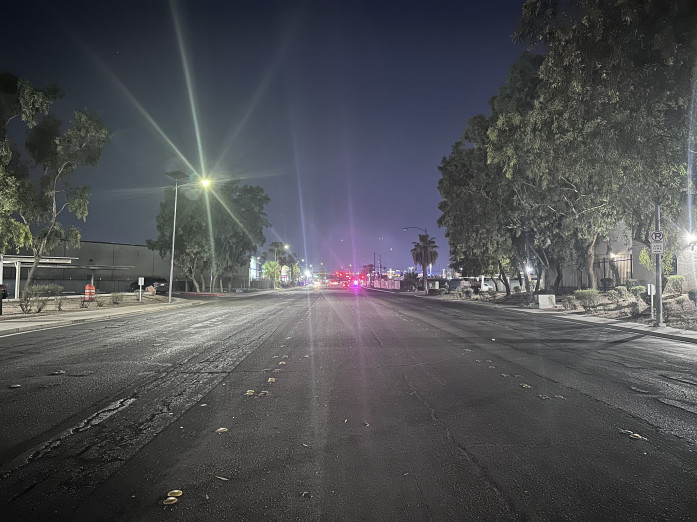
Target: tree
[
  {"x": 276, "y": 249},
  {"x": 272, "y": 270},
  {"x": 425, "y": 252},
  {"x": 58, "y": 153},
  {"x": 237, "y": 223},
  {"x": 609, "y": 126},
  {"x": 19, "y": 100}
]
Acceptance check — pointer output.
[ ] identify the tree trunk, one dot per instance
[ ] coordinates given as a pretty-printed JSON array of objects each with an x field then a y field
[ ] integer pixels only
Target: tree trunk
[
  {"x": 539, "y": 280},
  {"x": 558, "y": 279},
  {"x": 504, "y": 279},
  {"x": 32, "y": 270},
  {"x": 493, "y": 279},
  {"x": 590, "y": 260}
]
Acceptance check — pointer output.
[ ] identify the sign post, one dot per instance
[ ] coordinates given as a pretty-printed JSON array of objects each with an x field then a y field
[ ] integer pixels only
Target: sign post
[
  {"x": 141, "y": 281},
  {"x": 657, "y": 242}
]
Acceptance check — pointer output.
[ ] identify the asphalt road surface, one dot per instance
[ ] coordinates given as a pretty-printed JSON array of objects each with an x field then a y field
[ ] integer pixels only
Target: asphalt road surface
[{"x": 346, "y": 405}]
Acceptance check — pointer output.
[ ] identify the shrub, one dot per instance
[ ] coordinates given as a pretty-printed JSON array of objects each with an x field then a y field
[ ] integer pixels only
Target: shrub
[
  {"x": 517, "y": 290},
  {"x": 117, "y": 298},
  {"x": 589, "y": 299},
  {"x": 36, "y": 297},
  {"x": 644, "y": 296},
  {"x": 607, "y": 282},
  {"x": 492, "y": 294},
  {"x": 637, "y": 290},
  {"x": 629, "y": 283},
  {"x": 614, "y": 297},
  {"x": 692, "y": 295},
  {"x": 568, "y": 302},
  {"x": 100, "y": 301},
  {"x": 634, "y": 309},
  {"x": 622, "y": 290},
  {"x": 675, "y": 283},
  {"x": 60, "y": 300}
]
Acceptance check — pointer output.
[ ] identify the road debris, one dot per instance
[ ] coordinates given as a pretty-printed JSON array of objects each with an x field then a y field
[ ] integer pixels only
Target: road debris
[
  {"x": 306, "y": 445},
  {"x": 505, "y": 375},
  {"x": 249, "y": 393},
  {"x": 544, "y": 397},
  {"x": 219, "y": 430},
  {"x": 175, "y": 493},
  {"x": 263, "y": 393},
  {"x": 222, "y": 478},
  {"x": 265, "y": 370},
  {"x": 306, "y": 494},
  {"x": 272, "y": 379},
  {"x": 523, "y": 385},
  {"x": 203, "y": 405},
  {"x": 58, "y": 372},
  {"x": 15, "y": 385},
  {"x": 170, "y": 500},
  {"x": 366, "y": 424},
  {"x": 282, "y": 363}
]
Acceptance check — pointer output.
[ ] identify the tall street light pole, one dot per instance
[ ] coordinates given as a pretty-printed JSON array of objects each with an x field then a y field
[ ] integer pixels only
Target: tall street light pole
[
  {"x": 176, "y": 175},
  {"x": 423, "y": 260}
]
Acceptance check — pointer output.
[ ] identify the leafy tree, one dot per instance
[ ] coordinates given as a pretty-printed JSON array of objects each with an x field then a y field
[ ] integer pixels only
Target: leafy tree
[
  {"x": 237, "y": 222},
  {"x": 425, "y": 252},
  {"x": 59, "y": 153},
  {"x": 609, "y": 125},
  {"x": 272, "y": 270},
  {"x": 19, "y": 101}
]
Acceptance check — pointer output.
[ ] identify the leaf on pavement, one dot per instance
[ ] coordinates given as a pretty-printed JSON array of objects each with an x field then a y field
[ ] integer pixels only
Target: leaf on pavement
[
  {"x": 249, "y": 393},
  {"x": 282, "y": 363},
  {"x": 523, "y": 385},
  {"x": 58, "y": 372},
  {"x": 219, "y": 430},
  {"x": 175, "y": 493},
  {"x": 170, "y": 500},
  {"x": 15, "y": 385},
  {"x": 263, "y": 393},
  {"x": 467, "y": 350},
  {"x": 272, "y": 379},
  {"x": 505, "y": 375},
  {"x": 222, "y": 478},
  {"x": 204, "y": 404},
  {"x": 626, "y": 432},
  {"x": 544, "y": 397},
  {"x": 637, "y": 436},
  {"x": 305, "y": 356},
  {"x": 306, "y": 494}
]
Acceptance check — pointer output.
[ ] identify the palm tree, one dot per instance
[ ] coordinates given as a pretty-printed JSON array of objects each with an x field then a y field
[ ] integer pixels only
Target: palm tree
[
  {"x": 424, "y": 253},
  {"x": 276, "y": 248}
]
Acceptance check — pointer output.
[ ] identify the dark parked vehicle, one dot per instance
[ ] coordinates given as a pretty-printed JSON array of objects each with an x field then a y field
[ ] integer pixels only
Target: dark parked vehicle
[{"x": 160, "y": 285}]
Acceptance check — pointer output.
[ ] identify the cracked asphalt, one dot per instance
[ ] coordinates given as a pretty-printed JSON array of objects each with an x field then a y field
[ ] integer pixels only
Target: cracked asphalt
[{"x": 345, "y": 405}]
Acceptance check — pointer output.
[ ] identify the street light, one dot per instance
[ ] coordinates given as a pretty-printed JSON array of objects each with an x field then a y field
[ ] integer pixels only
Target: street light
[{"x": 177, "y": 175}]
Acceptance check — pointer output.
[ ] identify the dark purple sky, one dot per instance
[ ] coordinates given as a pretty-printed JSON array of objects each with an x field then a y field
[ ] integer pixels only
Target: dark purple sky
[{"x": 341, "y": 110}]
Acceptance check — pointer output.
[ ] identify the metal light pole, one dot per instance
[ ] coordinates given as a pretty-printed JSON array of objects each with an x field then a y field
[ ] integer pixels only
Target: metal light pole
[
  {"x": 425, "y": 231},
  {"x": 176, "y": 175}
]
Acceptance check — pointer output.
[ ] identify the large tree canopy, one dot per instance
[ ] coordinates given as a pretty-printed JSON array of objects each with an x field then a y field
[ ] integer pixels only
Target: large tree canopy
[{"x": 219, "y": 247}]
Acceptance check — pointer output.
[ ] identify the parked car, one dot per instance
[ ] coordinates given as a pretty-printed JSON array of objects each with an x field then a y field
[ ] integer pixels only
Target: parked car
[{"x": 160, "y": 285}]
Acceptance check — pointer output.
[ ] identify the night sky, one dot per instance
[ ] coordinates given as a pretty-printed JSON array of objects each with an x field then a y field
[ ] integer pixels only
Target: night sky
[{"x": 340, "y": 110}]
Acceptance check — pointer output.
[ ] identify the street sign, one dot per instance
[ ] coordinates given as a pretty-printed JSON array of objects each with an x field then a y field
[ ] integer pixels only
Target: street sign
[
  {"x": 657, "y": 248},
  {"x": 657, "y": 236},
  {"x": 651, "y": 289}
]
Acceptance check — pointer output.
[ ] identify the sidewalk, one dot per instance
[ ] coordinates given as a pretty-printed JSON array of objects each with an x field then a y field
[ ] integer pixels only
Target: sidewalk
[{"x": 17, "y": 322}]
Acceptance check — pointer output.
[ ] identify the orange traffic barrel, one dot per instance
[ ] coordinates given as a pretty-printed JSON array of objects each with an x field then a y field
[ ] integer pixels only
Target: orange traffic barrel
[{"x": 90, "y": 293}]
